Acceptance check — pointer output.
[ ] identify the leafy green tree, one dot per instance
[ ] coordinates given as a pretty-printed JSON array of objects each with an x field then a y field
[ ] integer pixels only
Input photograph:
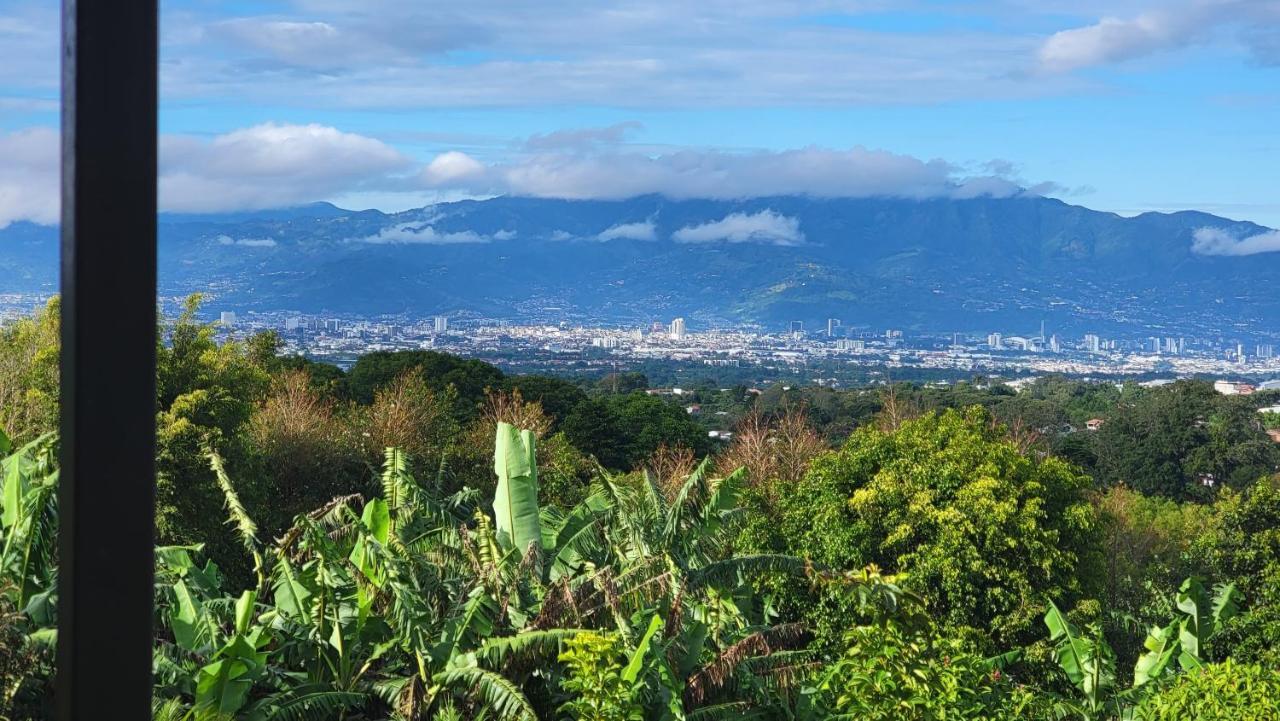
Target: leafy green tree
[
  {"x": 594, "y": 679},
  {"x": 29, "y": 374},
  {"x": 468, "y": 377},
  {"x": 301, "y": 450},
  {"x": 557, "y": 396},
  {"x": 1244, "y": 545},
  {"x": 917, "y": 672},
  {"x": 1228, "y": 691},
  {"x": 206, "y": 394},
  {"x": 325, "y": 378},
  {"x": 594, "y": 429},
  {"x": 984, "y": 530},
  {"x": 622, "y": 383},
  {"x": 622, "y": 431},
  {"x": 1164, "y": 440},
  {"x": 1147, "y": 544}
]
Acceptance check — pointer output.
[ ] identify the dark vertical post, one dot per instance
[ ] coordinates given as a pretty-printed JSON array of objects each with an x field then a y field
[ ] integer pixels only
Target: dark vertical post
[{"x": 106, "y": 500}]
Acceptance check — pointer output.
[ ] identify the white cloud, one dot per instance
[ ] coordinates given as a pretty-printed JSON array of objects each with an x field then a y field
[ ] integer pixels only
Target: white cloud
[
  {"x": 278, "y": 165},
  {"x": 29, "y": 176},
  {"x": 504, "y": 235},
  {"x": 663, "y": 53},
  {"x": 270, "y": 166},
  {"x": 1171, "y": 27},
  {"x": 419, "y": 234},
  {"x": 453, "y": 169},
  {"x": 821, "y": 172},
  {"x": 630, "y": 231},
  {"x": 767, "y": 226},
  {"x": 1215, "y": 241},
  {"x": 246, "y": 242}
]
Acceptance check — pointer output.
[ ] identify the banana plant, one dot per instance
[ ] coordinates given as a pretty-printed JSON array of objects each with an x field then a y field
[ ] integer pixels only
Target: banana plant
[
  {"x": 1088, "y": 663},
  {"x": 1185, "y": 639},
  {"x": 28, "y": 519}
]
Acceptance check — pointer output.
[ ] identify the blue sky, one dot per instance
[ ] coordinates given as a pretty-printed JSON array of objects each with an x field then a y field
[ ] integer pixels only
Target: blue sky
[{"x": 1123, "y": 106}]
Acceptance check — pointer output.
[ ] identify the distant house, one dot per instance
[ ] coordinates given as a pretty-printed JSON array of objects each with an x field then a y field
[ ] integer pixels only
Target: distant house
[
  {"x": 1231, "y": 388},
  {"x": 1094, "y": 424},
  {"x": 693, "y": 410},
  {"x": 1274, "y": 433}
]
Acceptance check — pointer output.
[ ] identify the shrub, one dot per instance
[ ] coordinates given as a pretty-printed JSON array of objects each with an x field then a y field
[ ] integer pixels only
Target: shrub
[
  {"x": 983, "y": 529},
  {"x": 29, "y": 375},
  {"x": 891, "y": 671},
  {"x": 593, "y": 662},
  {"x": 1244, "y": 545},
  {"x": 1227, "y": 691}
]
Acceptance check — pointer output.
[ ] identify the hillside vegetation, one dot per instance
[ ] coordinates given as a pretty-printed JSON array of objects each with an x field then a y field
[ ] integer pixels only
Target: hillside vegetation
[{"x": 426, "y": 537}]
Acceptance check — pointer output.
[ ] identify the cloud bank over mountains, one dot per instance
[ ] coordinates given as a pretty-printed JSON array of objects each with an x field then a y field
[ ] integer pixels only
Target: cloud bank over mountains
[
  {"x": 612, "y": 173},
  {"x": 278, "y": 165},
  {"x": 1215, "y": 241}
]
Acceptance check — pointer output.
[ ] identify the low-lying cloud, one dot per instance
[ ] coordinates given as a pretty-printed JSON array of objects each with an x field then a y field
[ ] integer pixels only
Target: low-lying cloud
[
  {"x": 613, "y": 174},
  {"x": 420, "y": 234},
  {"x": 246, "y": 242},
  {"x": 276, "y": 165},
  {"x": 1216, "y": 241},
  {"x": 767, "y": 227},
  {"x": 630, "y": 231}
]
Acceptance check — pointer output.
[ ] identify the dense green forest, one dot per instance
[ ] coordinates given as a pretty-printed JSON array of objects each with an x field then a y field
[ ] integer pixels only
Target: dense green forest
[{"x": 426, "y": 537}]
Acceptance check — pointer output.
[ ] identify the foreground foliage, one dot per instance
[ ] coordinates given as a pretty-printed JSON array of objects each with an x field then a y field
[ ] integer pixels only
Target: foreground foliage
[{"x": 385, "y": 544}]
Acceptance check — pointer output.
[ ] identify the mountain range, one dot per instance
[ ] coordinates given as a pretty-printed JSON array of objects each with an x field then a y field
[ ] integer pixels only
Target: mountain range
[{"x": 938, "y": 264}]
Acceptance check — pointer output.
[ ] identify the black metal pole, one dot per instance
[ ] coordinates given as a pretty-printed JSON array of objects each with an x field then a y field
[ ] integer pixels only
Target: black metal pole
[{"x": 107, "y": 495}]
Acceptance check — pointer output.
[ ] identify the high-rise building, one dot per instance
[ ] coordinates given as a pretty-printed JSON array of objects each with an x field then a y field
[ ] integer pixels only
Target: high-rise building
[
  {"x": 292, "y": 323},
  {"x": 856, "y": 346},
  {"x": 1240, "y": 352},
  {"x": 1092, "y": 343},
  {"x": 832, "y": 325},
  {"x": 1265, "y": 350},
  {"x": 995, "y": 341},
  {"x": 797, "y": 326},
  {"x": 227, "y": 318},
  {"x": 1055, "y": 346},
  {"x": 442, "y": 324},
  {"x": 677, "y": 329},
  {"x": 1154, "y": 344}
]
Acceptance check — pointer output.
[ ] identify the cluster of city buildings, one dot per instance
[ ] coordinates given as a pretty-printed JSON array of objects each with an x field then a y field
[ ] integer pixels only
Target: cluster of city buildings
[{"x": 340, "y": 340}]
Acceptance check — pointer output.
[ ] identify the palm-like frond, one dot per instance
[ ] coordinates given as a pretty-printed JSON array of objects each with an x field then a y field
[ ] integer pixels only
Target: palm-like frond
[
  {"x": 238, "y": 516},
  {"x": 727, "y": 572},
  {"x": 524, "y": 647},
  {"x": 312, "y": 705},
  {"x": 731, "y": 711},
  {"x": 714, "y": 675},
  {"x": 499, "y": 694}
]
